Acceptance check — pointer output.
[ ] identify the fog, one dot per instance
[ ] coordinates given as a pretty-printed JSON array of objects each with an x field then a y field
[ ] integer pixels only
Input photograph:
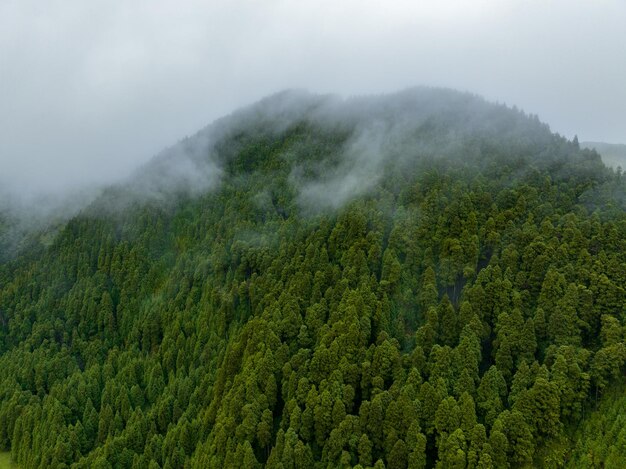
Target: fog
[
  {"x": 372, "y": 136},
  {"x": 90, "y": 91}
]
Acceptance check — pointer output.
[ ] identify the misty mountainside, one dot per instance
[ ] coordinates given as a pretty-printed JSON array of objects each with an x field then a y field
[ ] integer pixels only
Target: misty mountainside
[
  {"x": 613, "y": 154},
  {"x": 33, "y": 220},
  {"x": 422, "y": 279},
  {"x": 5, "y": 223}
]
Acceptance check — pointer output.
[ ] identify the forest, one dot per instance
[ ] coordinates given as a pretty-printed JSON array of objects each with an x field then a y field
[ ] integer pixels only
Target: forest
[{"x": 423, "y": 279}]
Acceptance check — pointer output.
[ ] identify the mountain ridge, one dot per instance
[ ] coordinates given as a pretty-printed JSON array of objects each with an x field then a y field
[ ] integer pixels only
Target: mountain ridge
[{"x": 614, "y": 154}]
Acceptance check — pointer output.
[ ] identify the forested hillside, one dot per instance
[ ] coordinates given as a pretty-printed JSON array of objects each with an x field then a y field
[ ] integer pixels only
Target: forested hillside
[{"x": 416, "y": 280}]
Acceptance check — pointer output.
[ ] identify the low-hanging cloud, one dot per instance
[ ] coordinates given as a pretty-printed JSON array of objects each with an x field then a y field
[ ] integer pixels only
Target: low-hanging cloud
[
  {"x": 376, "y": 133},
  {"x": 357, "y": 172},
  {"x": 397, "y": 130},
  {"x": 91, "y": 90}
]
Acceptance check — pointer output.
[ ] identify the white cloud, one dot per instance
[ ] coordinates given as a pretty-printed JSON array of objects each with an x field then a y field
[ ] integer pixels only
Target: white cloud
[{"x": 88, "y": 90}]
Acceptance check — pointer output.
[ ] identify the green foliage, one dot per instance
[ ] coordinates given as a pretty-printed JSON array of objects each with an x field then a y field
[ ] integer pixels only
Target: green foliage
[
  {"x": 601, "y": 437},
  {"x": 5, "y": 461},
  {"x": 465, "y": 311}
]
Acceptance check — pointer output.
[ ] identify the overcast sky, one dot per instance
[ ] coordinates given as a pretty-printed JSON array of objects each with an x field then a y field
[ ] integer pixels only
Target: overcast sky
[{"x": 91, "y": 89}]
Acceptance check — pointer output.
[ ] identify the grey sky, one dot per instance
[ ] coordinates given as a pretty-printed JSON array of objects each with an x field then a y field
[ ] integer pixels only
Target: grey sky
[{"x": 91, "y": 89}]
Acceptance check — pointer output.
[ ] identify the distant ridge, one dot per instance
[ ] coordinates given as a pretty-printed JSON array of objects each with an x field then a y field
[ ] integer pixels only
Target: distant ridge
[{"x": 613, "y": 154}]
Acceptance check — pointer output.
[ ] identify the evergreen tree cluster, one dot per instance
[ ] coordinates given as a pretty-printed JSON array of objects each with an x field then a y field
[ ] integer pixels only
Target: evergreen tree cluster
[{"x": 465, "y": 311}]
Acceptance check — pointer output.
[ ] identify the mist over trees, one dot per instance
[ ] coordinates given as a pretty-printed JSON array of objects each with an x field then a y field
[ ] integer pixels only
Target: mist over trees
[
  {"x": 422, "y": 279},
  {"x": 612, "y": 154}
]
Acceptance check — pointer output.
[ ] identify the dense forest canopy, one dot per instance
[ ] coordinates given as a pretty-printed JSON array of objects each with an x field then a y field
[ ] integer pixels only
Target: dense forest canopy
[{"x": 416, "y": 280}]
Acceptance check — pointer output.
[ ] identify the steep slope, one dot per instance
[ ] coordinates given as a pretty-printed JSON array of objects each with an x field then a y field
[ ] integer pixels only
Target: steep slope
[{"x": 400, "y": 281}]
